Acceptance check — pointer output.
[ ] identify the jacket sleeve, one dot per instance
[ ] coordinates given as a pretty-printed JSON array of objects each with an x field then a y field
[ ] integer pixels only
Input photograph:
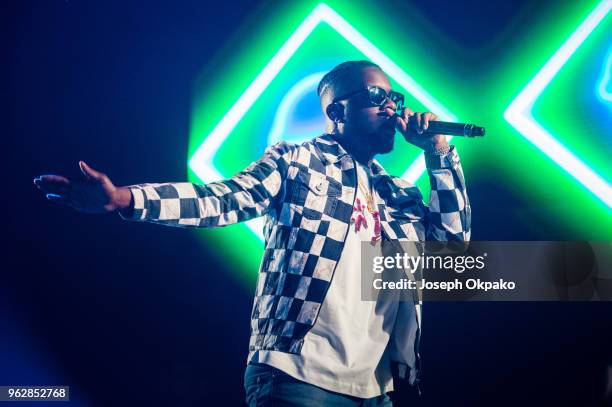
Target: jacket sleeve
[
  {"x": 448, "y": 215},
  {"x": 248, "y": 194}
]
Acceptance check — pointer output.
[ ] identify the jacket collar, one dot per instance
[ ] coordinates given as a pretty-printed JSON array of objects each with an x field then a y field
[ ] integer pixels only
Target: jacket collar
[{"x": 332, "y": 152}]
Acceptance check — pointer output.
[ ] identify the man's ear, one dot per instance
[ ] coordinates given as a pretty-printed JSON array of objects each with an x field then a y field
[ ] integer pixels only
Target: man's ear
[{"x": 335, "y": 112}]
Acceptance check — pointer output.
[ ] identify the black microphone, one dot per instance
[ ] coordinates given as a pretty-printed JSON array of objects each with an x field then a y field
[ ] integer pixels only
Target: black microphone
[{"x": 449, "y": 128}]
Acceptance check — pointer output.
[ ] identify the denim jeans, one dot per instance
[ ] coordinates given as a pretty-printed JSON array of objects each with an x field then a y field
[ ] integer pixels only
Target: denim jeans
[{"x": 267, "y": 386}]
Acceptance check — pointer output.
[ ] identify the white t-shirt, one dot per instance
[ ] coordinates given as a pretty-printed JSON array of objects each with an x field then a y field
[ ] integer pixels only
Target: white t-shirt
[{"x": 346, "y": 349}]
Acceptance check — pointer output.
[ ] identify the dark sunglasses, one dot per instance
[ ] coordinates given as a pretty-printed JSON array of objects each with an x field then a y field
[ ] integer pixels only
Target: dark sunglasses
[{"x": 378, "y": 97}]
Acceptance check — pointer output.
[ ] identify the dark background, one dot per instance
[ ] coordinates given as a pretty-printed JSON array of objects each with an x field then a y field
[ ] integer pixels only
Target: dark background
[{"x": 137, "y": 314}]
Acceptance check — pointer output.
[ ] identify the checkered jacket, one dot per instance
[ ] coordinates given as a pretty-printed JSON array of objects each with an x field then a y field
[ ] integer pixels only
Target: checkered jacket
[{"x": 307, "y": 194}]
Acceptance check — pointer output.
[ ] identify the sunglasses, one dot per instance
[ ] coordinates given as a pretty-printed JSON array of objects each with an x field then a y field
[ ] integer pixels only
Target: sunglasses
[{"x": 378, "y": 97}]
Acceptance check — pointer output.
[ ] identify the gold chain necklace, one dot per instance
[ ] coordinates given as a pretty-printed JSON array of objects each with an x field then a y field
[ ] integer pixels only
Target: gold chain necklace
[{"x": 368, "y": 195}]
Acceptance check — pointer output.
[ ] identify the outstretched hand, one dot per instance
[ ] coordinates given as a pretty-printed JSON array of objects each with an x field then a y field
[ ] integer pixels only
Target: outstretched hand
[{"x": 94, "y": 193}]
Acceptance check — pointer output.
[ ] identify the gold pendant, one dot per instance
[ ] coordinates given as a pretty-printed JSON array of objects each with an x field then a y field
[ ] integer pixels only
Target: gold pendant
[{"x": 370, "y": 202}]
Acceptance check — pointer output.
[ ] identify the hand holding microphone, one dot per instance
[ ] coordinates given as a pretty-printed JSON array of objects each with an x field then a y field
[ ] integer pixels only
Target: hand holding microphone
[{"x": 426, "y": 132}]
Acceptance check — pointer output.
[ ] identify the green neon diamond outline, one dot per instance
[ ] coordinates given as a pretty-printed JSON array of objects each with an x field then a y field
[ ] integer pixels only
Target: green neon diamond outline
[{"x": 518, "y": 113}]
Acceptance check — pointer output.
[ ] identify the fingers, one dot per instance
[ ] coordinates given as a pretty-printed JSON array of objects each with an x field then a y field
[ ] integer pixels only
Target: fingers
[
  {"x": 53, "y": 184},
  {"x": 407, "y": 113},
  {"x": 414, "y": 121},
  {"x": 89, "y": 172},
  {"x": 52, "y": 178},
  {"x": 400, "y": 123},
  {"x": 415, "y": 117},
  {"x": 55, "y": 198},
  {"x": 404, "y": 120},
  {"x": 389, "y": 111},
  {"x": 421, "y": 120},
  {"x": 427, "y": 117}
]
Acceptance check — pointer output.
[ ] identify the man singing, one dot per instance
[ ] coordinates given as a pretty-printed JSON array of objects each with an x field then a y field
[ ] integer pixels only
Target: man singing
[{"x": 314, "y": 341}]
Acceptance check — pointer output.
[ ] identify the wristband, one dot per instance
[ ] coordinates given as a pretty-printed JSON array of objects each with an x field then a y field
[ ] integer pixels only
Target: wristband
[{"x": 442, "y": 150}]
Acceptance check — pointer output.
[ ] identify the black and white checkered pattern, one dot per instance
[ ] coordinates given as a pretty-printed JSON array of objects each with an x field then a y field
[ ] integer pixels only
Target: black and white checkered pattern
[{"x": 307, "y": 193}]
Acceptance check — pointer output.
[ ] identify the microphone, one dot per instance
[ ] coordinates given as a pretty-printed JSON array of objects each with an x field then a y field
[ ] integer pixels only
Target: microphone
[{"x": 449, "y": 128}]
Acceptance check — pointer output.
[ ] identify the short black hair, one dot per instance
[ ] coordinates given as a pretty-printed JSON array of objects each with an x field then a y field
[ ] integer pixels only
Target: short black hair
[{"x": 341, "y": 72}]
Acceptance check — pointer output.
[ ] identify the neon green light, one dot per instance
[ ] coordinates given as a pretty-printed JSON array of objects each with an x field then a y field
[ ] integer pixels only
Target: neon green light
[
  {"x": 518, "y": 113},
  {"x": 201, "y": 163}
]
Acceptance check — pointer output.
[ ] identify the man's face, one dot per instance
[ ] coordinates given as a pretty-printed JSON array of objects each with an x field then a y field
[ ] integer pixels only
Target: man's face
[{"x": 370, "y": 126}]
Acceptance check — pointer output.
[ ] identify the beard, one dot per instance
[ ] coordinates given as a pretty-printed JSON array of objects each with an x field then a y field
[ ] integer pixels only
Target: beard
[
  {"x": 383, "y": 140},
  {"x": 385, "y": 144},
  {"x": 377, "y": 139}
]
